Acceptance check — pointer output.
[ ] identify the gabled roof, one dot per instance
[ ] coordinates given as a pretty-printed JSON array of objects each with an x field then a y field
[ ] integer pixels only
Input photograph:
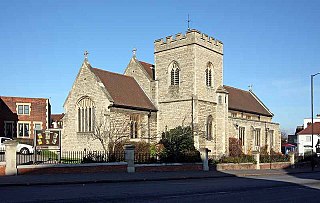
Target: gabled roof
[
  {"x": 308, "y": 130},
  {"x": 148, "y": 68},
  {"x": 57, "y": 117},
  {"x": 246, "y": 101},
  {"x": 124, "y": 90}
]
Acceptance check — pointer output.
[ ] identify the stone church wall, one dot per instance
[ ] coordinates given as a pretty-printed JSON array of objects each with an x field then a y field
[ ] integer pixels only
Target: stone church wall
[
  {"x": 84, "y": 85},
  {"x": 203, "y": 56},
  {"x": 235, "y": 123},
  {"x": 134, "y": 70}
]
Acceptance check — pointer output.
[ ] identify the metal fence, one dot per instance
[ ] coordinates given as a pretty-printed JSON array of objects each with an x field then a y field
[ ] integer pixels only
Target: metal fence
[
  {"x": 69, "y": 157},
  {"x": 2, "y": 156},
  {"x": 145, "y": 158}
]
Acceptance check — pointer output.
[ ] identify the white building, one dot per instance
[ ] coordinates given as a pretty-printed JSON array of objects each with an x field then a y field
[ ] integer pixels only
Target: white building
[{"x": 305, "y": 138}]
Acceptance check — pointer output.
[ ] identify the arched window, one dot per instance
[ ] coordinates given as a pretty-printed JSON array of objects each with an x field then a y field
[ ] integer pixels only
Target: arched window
[
  {"x": 209, "y": 128},
  {"x": 85, "y": 115},
  {"x": 134, "y": 126},
  {"x": 209, "y": 72},
  {"x": 175, "y": 73}
]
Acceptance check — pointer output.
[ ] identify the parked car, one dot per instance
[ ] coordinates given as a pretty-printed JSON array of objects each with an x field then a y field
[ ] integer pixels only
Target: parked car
[{"x": 21, "y": 148}]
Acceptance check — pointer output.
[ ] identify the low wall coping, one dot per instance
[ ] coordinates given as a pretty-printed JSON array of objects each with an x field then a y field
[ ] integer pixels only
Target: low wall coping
[
  {"x": 287, "y": 162},
  {"x": 166, "y": 164},
  {"x": 235, "y": 163},
  {"x": 71, "y": 165},
  {"x": 2, "y": 163}
]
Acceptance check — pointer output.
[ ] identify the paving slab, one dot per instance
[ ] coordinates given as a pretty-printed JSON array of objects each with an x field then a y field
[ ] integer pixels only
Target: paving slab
[{"x": 90, "y": 178}]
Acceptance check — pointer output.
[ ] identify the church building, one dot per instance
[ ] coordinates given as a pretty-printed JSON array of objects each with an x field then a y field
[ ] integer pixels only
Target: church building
[{"x": 184, "y": 87}]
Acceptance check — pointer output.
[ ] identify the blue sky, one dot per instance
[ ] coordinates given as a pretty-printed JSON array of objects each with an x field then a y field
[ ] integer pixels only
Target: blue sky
[{"x": 273, "y": 45}]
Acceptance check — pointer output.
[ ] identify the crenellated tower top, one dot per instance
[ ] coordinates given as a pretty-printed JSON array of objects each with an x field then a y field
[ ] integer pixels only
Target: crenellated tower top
[{"x": 191, "y": 37}]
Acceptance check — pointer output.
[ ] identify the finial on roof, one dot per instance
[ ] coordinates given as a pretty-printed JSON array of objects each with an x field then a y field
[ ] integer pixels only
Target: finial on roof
[
  {"x": 189, "y": 22},
  {"x": 86, "y": 53},
  {"x": 250, "y": 87},
  {"x": 134, "y": 51}
]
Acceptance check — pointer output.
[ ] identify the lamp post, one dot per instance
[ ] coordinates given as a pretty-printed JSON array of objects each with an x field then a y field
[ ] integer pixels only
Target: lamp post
[{"x": 312, "y": 158}]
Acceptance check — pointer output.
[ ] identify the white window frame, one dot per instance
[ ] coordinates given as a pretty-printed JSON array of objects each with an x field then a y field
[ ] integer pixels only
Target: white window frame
[
  {"x": 23, "y": 122},
  {"x": 23, "y": 108},
  {"x": 310, "y": 139},
  {"x": 37, "y": 122}
]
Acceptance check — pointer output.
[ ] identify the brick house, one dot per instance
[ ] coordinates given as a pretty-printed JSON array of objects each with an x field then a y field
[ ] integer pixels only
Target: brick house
[
  {"x": 20, "y": 116},
  {"x": 57, "y": 120}
]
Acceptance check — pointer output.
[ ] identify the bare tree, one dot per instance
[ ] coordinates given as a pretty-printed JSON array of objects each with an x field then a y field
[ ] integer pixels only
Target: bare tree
[
  {"x": 110, "y": 133},
  {"x": 284, "y": 136}
]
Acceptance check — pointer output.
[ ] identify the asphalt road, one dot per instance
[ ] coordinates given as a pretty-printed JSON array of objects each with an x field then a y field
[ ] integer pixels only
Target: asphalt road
[{"x": 280, "y": 188}]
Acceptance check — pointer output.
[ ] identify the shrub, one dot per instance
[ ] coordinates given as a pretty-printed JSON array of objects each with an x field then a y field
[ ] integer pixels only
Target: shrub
[
  {"x": 240, "y": 159},
  {"x": 93, "y": 158},
  {"x": 178, "y": 146}
]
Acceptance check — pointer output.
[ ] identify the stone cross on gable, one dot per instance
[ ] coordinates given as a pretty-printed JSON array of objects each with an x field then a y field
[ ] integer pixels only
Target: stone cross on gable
[
  {"x": 86, "y": 53},
  {"x": 134, "y": 51},
  {"x": 250, "y": 87}
]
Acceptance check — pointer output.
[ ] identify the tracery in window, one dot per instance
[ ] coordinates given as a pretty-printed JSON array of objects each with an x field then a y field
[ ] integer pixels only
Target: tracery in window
[
  {"x": 174, "y": 73},
  {"x": 134, "y": 126},
  {"x": 209, "y": 73},
  {"x": 85, "y": 115}
]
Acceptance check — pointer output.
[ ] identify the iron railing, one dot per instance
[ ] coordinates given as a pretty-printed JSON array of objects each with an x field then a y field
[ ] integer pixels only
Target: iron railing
[
  {"x": 145, "y": 158},
  {"x": 2, "y": 156},
  {"x": 69, "y": 157}
]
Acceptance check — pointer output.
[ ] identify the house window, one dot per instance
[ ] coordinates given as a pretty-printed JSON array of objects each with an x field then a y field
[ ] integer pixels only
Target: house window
[
  {"x": 23, "y": 130},
  {"x": 134, "y": 126},
  {"x": 209, "y": 72},
  {"x": 86, "y": 115},
  {"x": 38, "y": 126},
  {"x": 271, "y": 137},
  {"x": 175, "y": 74},
  {"x": 308, "y": 138},
  {"x": 241, "y": 135},
  {"x": 249, "y": 117},
  {"x": 23, "y": 109},
  {"x": 257, "y": 137},
  {"x": 209, "y": 128}
]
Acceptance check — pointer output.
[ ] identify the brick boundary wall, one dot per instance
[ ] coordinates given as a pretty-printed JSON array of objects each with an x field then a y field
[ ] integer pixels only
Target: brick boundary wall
[
  {"x": 2, "y": 168},
  {"x": 251, "y": 166},
  {"x": 71, "y": 168},
  {"x": 168, "y": 167},
  {"x": 278, "y": 165}
]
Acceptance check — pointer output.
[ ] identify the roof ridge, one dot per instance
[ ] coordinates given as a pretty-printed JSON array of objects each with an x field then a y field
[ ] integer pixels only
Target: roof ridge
[
  {"x": 23, "y": 97},
  {"x": 113, "y": 72},
  {"x": 145, "y": 62},
  {"x": 237, "y": 88}
]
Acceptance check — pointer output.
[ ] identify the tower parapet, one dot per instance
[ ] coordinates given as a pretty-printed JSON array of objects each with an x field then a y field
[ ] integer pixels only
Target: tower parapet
[{"x": 191, "y": 37}]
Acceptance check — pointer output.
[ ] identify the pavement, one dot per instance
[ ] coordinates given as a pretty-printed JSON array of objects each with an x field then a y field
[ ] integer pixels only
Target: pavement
[{"x": 91, "y": 178}]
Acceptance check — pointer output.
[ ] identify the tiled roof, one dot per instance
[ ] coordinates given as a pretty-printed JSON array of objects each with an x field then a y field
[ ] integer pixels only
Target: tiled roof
[
  {"x": 308, "y": 130},
  {"x": 57, "y": 117},
  {"x": 241, "y": 100},
  {"x": 147, "y": 67},
  {"x": 124, "y": 90}
]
